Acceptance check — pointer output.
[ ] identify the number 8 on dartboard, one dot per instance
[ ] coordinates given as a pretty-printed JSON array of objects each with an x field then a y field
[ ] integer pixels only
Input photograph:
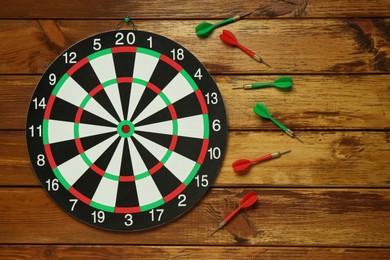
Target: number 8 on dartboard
[{"x": 126, "y": 130}]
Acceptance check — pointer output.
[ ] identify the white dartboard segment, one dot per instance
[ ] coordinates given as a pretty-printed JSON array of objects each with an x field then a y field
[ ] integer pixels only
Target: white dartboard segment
[
  {"x": 113, "y": 94},
  {"x": 60, "y": 131},
  {"x": 104, "y": 68},
  {"x": 72, "y": 92},
  {"x": 106, "y": 192},
  {"x": 114, "y": 165},
  {"x": 137, "y": 162}
]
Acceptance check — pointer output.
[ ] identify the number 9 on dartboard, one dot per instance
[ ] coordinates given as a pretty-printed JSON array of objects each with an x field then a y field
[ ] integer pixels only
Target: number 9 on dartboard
[{"x": 126, "y": 130}]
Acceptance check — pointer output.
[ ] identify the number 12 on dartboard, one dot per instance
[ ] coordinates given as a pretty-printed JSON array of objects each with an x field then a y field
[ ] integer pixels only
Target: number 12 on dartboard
[{"x": 126, "y": 130}]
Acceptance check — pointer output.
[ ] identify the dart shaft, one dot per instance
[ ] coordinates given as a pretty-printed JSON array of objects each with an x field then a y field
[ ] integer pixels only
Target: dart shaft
[
  {"x": 286, "y": 130},
  {"x": 220, "y": 225},
  {"x": 259, "y": 59},
  {"x": 252, "y": 54},
  {"x": 231, "y": 215},
  {"x": 226, "y": 220},
  {"x": 280, "y": 125},
  {"x": 227, "y": 21},
  {"x": 293, "y": 135},
  {"x": 246, "y": 50},
  {"x": 269, "y": 156},
  {"x": 254, "y": 85},
  {"x": 230, "y": 20},
  {"x": 239, "y": 16}
]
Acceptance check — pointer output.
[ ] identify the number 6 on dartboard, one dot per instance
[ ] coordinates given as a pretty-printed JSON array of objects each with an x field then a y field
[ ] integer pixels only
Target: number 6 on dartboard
[{"x": 126, "y": 130}]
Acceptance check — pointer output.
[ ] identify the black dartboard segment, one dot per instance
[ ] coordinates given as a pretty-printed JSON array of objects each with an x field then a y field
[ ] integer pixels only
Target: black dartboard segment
[{"x": 126, "y": 130}]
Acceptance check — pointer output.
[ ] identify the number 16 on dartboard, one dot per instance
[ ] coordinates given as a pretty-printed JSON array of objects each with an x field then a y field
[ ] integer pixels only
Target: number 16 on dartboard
[{"x": 126, "y": 130}]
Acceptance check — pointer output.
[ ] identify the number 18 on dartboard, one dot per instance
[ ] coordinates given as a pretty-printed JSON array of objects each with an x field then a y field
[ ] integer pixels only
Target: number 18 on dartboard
[{"x": 126, "y": 130}]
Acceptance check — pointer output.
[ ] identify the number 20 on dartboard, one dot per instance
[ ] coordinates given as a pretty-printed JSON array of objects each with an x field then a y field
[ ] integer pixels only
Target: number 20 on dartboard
[{"x": 126, "y": 130}]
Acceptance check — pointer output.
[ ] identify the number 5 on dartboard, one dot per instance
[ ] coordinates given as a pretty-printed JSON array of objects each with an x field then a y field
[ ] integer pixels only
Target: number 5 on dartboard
[{"x": 122, "y": 128}]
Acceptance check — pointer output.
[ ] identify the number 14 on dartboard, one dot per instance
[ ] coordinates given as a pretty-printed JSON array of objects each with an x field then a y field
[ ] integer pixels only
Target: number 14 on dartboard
[{"x": 126, "y": 130}]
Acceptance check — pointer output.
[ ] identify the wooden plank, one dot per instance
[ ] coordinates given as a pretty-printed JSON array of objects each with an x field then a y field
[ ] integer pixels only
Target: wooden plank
[
  {"x": 171, "y": 9},
  {"x": 104, "y": 252},
  {"x": 332, "y": 159},
  {"x": 283, "y": 217},
  {"x": 290, "y": 46},
  {"x": 316, "y": 102}
]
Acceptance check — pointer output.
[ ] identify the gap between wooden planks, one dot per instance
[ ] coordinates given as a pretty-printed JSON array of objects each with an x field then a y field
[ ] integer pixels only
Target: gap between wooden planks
[
  {"x": 103, "y": 252},
  {"x": 282, "y": 217},
  {"x": 170, "y": 9},
  {"x": 299, "y": 46},
  {"x": 328, "y": 159},
  {"x": 316, "y": 102}
]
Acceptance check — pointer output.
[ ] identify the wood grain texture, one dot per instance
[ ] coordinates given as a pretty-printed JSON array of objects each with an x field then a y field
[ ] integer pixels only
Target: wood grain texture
[
  {"x": 331, "y": 159},
  {"x": 316, "y": 102},
  {"x": 327, "y": 199},
  {"x": 171, "y": 9},
  {"x": 101, "y": 252},
  {"x": 293, "y": 217},
  {"x": 305, "y": 46}
]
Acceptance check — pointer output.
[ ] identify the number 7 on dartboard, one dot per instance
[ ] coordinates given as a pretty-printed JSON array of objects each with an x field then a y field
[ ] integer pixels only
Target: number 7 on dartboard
[{"x": 126, "y": 130}]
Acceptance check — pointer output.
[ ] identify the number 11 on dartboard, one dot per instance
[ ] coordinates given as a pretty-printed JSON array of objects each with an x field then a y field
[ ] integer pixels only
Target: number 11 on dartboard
[{"x": 126, "y": 130}]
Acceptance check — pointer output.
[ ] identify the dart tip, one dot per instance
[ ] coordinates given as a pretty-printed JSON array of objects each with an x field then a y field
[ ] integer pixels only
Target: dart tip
[
  {"x": 284, "y": 152},
  {"x": 260, "y": 60},
  {"x": 265, "y": 63},
  {"x": 237, "y": 87},
  {"x": 215, "y": 231},
  {"x": 298, "y": 138},
  {"x": 293, "y": 135},
  {"x": 246, "y": 14}
]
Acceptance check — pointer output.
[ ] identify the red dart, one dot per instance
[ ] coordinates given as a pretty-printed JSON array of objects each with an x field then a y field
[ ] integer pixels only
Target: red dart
[
  {"x": 246, "y": 202},
  {"x": 229, "y": 38},
  {"x": 244, "y": 164}
]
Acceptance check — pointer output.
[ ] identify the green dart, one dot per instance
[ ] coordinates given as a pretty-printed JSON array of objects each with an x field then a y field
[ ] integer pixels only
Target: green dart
[
  {"x": 261, "y": 110},
  {"x": 282, "y": 83},
  {"x": 204, "y": 29}
]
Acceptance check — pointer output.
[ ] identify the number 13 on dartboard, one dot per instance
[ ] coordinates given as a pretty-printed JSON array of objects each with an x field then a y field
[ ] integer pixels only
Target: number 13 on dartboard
[{"x": 126, "y": 130}]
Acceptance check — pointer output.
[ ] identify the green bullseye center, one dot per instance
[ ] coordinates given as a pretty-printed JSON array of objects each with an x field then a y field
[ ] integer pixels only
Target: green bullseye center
[{"x": 125, "y": 129}]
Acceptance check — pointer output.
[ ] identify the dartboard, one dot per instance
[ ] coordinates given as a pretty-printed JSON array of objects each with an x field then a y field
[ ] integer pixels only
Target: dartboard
[{"x": 126, "y": 130}]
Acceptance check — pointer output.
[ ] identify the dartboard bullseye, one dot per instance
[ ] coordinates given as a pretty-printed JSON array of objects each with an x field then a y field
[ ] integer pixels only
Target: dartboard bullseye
[{"x": 126, "y": 130}]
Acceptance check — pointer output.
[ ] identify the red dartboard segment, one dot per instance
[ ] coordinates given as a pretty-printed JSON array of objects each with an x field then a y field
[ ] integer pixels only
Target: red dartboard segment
[
  {"x": 154, "y": 88},
  {"x": 127, "y": 210},
  {"x": 155, "y": 168},
  {"x": 172, "y": 111},
  {"x": 202, "y": 102},
  {"x": 203, "y": 151},
  {"x": 96, "y": 90},
  {"x": 77, "y": 66},
  {"x": 79, "y": 195},
  {"x": 125, "y": 80},
  {"x": 97, "y": 170},
  {"x": 49, "y": 155},
  {"x": 171, "y": 62},
  {"x": 175, "y": 193},
  {"x": 49, "y": 106},
  {"x": 124, "y": 49},
  {"x": 126, "y": 130},
  {"x": 126, "y": 178}
]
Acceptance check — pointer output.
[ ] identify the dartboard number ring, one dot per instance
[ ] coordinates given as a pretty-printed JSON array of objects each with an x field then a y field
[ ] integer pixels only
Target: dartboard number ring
[{"x": 126, "y": 130}]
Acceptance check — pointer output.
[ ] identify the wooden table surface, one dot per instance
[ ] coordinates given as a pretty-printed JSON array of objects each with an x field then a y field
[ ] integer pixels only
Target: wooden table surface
[{"x": 328, "y": 199}]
